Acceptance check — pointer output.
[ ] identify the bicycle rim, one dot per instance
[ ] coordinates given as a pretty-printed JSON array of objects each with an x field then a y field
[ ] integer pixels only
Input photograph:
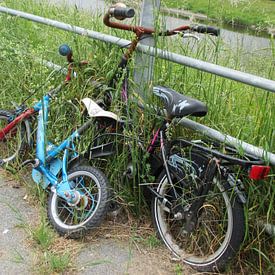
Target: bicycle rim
[
  {"x": 212, "y": 235},
  {"x": 11, "y": 144},
  {"x": 71, "y": 217}
]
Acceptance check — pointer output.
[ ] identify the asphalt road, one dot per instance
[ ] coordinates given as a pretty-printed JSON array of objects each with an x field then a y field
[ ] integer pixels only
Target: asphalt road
[{"x": 16, "y": 255}]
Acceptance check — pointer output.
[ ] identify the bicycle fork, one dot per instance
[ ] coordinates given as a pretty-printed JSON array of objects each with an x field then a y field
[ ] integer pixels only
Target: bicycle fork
[{"x": 192, "y": 214}]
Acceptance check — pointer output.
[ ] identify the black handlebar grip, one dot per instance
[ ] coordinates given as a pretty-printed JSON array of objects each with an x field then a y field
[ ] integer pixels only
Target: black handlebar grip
[
  {"x": 121, "y": 12},
  {"x": 205, "y": 29}
]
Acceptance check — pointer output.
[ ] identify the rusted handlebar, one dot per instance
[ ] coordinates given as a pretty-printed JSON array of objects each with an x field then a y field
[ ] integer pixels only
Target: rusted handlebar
[{"x": 138, "y": 30}]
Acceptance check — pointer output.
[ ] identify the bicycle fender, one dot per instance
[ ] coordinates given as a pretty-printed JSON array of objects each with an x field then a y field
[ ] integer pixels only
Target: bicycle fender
[
  {"x": 77, "y": 161},
  {"x": 94, "y": 110},
  {"x": 102, "y": 150}
]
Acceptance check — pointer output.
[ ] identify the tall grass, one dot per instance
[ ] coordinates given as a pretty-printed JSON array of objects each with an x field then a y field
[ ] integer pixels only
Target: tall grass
[
  {"x": 234, "y": 108},
  {"x": 257, "y": 13}
]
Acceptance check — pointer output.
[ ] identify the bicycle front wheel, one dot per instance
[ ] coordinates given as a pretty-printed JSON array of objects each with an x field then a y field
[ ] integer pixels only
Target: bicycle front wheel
[
  {"x": 219, "y": 229},
  {"x": 13, "y": 144},
  {"x": 75, "y": 221}
]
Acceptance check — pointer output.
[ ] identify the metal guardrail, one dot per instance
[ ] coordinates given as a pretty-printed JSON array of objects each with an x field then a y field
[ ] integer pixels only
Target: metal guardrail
[
  {"x": 246, "y": 78},
  {"x": 212, "y": 133}
]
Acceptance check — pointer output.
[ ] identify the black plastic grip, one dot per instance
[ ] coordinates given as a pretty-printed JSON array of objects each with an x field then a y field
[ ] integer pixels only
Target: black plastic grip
[
  {"x": 124, "y": 12},
  {"x": 206, "y": 29}
]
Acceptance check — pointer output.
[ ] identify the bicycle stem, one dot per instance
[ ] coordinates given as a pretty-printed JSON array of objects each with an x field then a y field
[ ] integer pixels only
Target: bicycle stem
[{"x": 139, "y": 33}]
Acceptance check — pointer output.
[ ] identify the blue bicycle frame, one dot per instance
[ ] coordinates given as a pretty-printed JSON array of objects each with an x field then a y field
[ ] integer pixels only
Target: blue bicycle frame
[{"x": 47, "y": 166}]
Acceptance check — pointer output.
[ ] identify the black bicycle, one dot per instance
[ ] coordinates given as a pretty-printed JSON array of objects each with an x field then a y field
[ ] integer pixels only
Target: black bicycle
[{"x": 197, "y": 200}]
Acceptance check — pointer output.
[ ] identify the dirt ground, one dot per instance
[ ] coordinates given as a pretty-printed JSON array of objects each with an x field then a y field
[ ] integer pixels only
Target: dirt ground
[{"x": 115, "y": 248}]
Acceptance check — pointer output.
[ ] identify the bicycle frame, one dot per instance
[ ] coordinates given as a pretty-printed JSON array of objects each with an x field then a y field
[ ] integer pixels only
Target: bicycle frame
[
  {"x": 47, "y": 166},
  {"x": 26, "y": 114},
  {"x": 139, "y": 32},
  {"x": 216, "y": 162},
  {"x": 215, "y": 157}
]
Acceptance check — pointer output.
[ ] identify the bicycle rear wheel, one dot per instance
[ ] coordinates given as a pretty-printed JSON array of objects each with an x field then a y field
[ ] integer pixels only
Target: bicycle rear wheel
[
  {"x": 14, "y": 143},
  {"x": 219, "y": 229}
]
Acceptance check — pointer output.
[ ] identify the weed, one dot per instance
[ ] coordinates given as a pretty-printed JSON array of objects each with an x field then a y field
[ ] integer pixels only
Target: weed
[
  {"x": 94, "y": 263},
  {"x": 43, "y": 234},
  {"x": 152, "y": 241},
  {"x": 17, "y": 257},
  {"x": 236, "y": 109},
  {"x": 55, "y": 262},
  {"x": 178, "y": 269}
]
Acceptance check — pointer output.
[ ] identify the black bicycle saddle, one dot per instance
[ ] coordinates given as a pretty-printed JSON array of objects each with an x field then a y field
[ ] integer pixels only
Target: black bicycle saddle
[{"x": 178, "y": 105}]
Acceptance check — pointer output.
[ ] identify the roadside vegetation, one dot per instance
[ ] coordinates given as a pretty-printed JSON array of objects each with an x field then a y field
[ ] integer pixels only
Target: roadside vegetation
[
  {"x": 257, "y": 13},
  {"x": 234, "y": 108}
]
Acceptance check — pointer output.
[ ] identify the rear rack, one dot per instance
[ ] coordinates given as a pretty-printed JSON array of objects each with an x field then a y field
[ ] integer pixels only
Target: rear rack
[{"x": 223, "y": 152}]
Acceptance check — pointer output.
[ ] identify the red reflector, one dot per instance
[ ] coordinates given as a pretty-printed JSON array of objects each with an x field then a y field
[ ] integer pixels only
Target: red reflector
[{"x": 258, "y": 172}]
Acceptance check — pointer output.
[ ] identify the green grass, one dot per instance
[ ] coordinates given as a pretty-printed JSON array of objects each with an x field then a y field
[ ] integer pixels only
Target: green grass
[
  {"x": 51, "y": 260},
  {"x": 234, "y": 108},
  {"x": 178, "y": 269},
  {"x": 260, "y": 13},
  {"x": 150, "y": 241},
  {"x": 57, "y": 263},
  {"x": 43, "y": 234}
]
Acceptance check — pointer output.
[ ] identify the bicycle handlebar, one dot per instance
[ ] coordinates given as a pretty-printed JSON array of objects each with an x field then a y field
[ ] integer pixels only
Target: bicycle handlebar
[
  {"x": 123, "y": 12},
  {"x": 206, "y": 29},
  {"x": 65, "y": 50}
]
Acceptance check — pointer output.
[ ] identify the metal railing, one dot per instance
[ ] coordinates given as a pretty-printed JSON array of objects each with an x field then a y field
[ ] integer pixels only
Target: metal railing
[
  {"x": 246, "y": 78},
  {"x": 253, "y": 80}
]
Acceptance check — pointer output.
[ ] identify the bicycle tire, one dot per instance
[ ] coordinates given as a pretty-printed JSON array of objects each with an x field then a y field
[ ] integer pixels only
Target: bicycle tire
[
  {"x": 14, "y": 144},
  {"x": 205, "y": 249},
  {"x": 94, "y": 207}
]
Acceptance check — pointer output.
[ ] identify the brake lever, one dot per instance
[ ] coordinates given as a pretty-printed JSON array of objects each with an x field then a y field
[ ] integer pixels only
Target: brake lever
[
  {"x": 190, "y": 35},
  {"x": 187, "y": 35}
]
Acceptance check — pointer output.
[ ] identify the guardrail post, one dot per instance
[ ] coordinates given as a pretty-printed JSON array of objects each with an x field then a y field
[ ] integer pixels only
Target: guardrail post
[{"x": 144, "y": 63}]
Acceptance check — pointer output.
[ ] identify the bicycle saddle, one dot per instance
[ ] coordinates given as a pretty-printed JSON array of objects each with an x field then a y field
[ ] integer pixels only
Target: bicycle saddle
[{"x": 178, "y": 105}]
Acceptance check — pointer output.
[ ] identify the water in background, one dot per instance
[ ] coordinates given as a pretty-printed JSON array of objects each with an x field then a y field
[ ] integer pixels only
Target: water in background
[{"x": 239, "y": 40}]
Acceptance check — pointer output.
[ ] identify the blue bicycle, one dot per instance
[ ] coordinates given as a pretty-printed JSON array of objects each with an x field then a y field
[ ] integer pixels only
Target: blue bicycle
[{"x": 78, "y": 197}]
